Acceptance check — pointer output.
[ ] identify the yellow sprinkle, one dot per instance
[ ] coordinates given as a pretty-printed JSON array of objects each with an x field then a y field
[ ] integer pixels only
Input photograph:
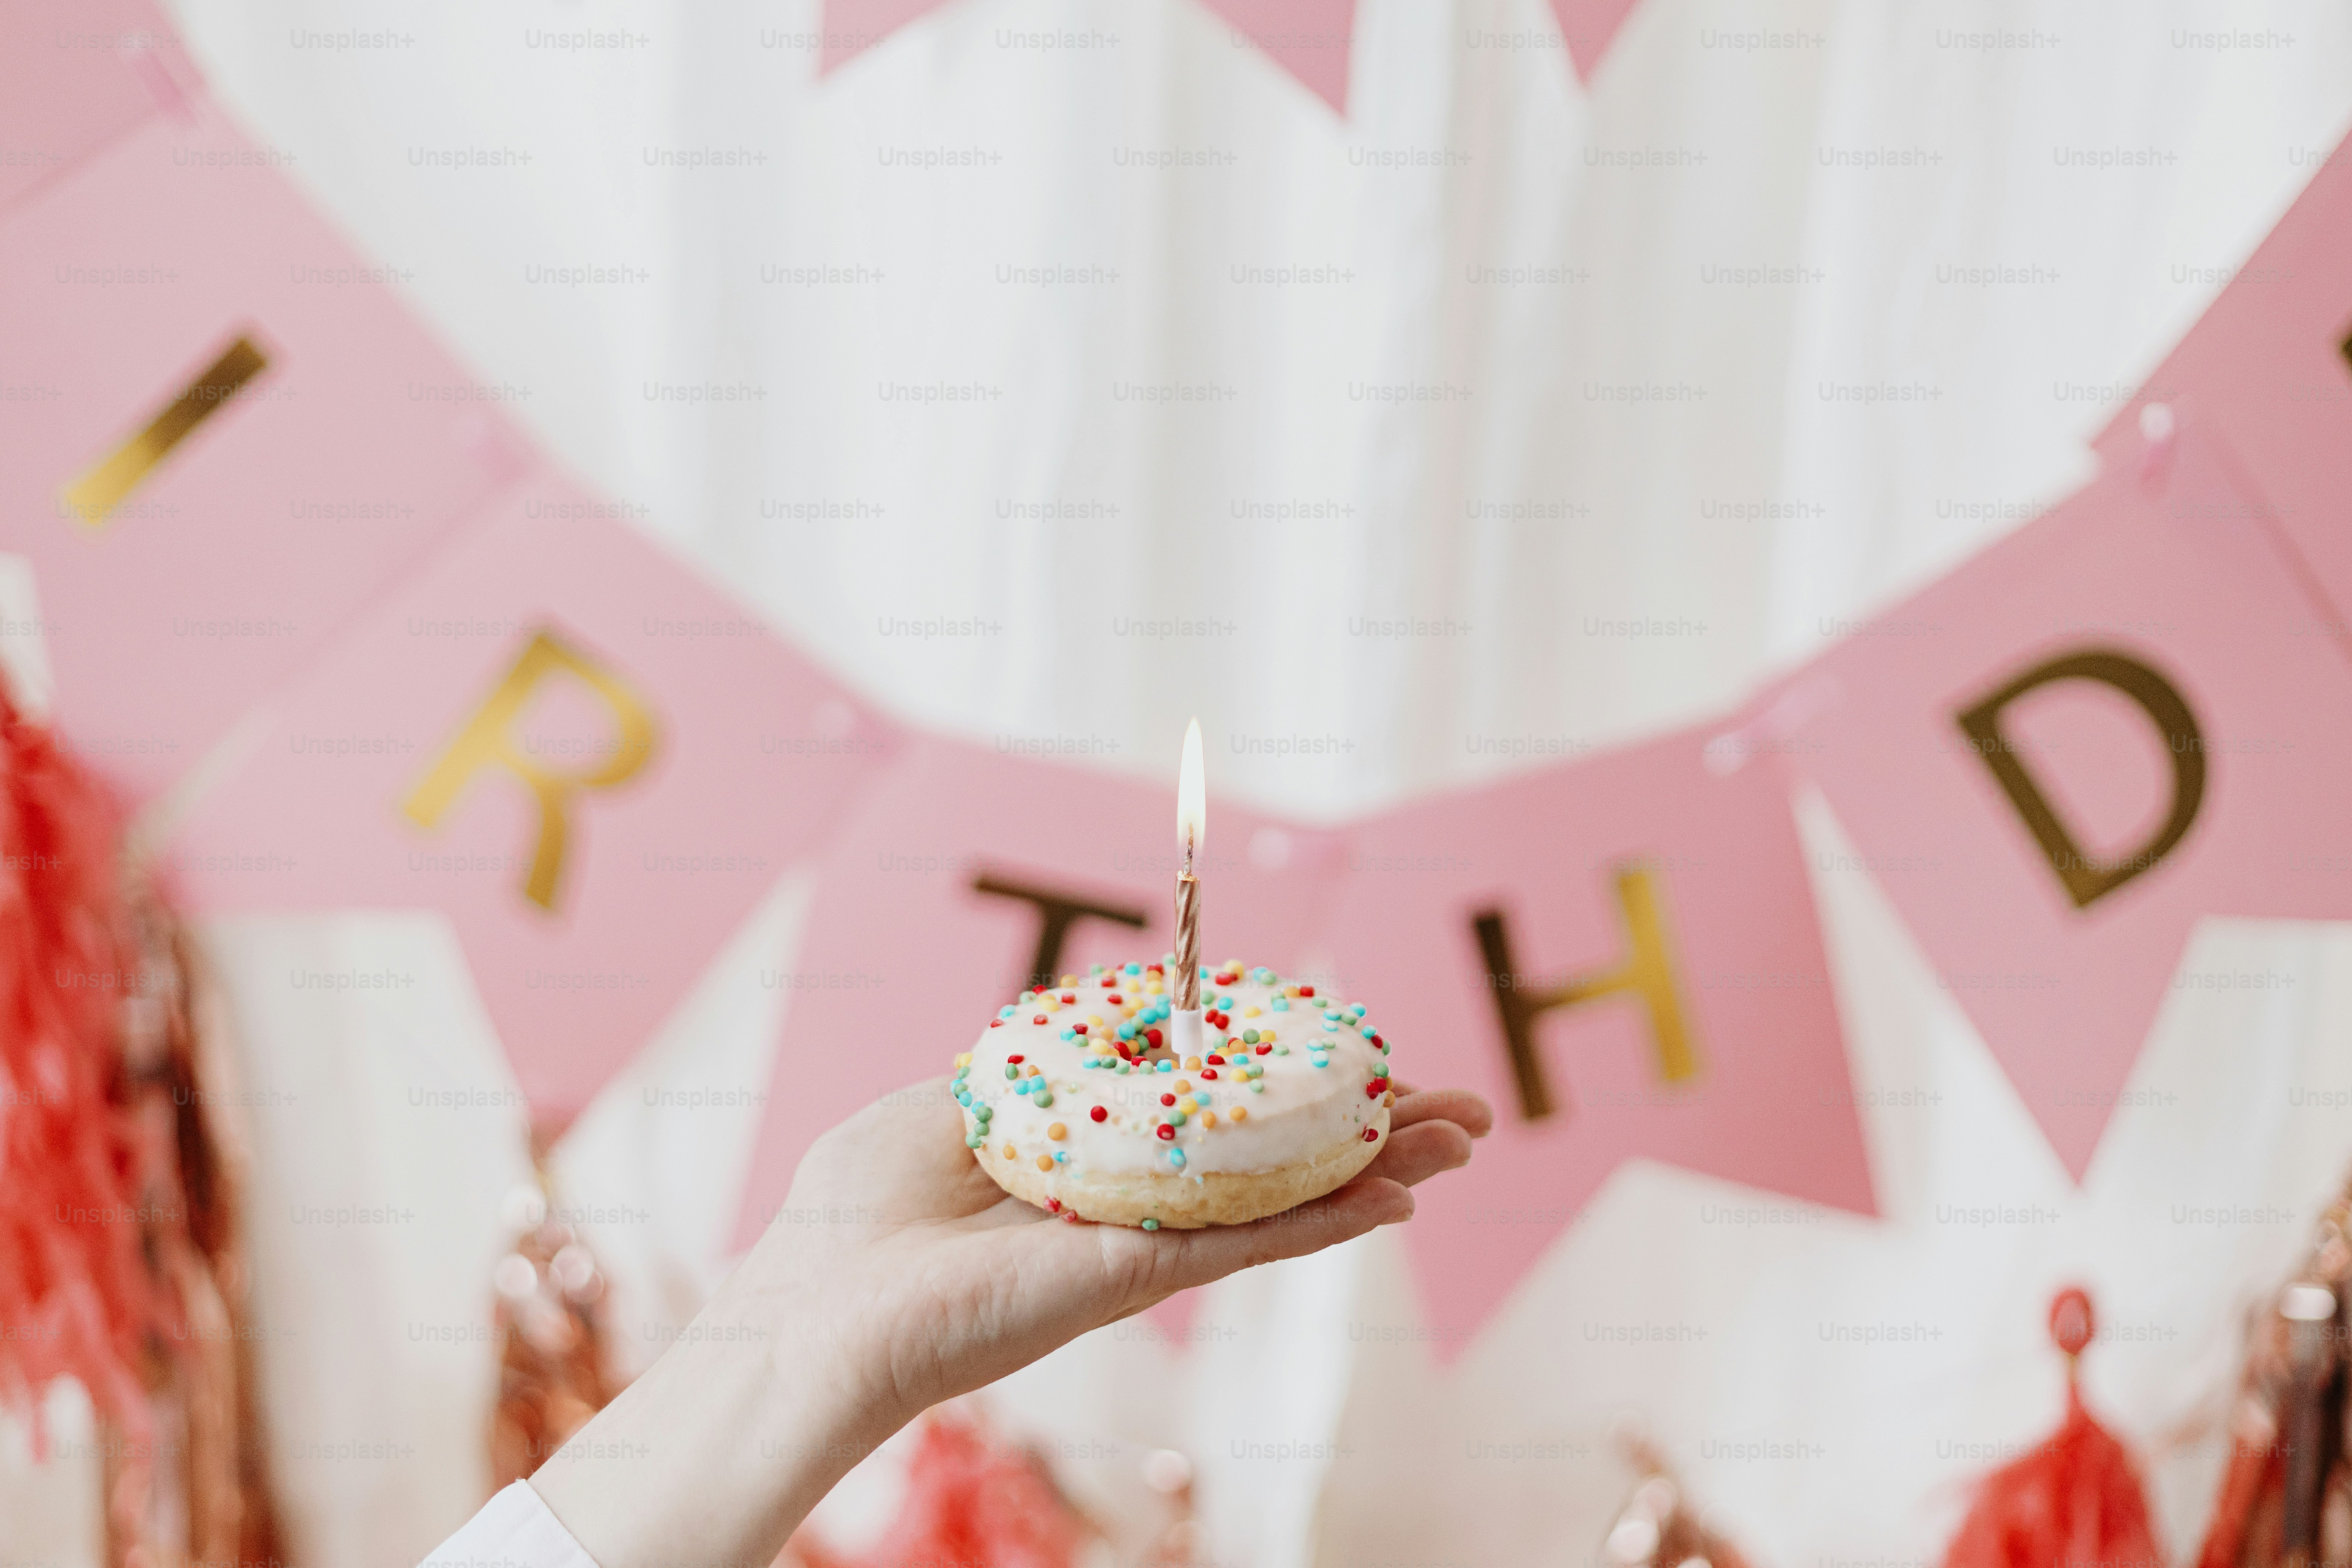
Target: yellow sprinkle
[
  {"x": 1192, "y": 1064},
  {"x": 1266, "y": 1036},
  {"x": 1207, "y": 1119},
  {"x": 1045, "y": 1162},
  {"x": 1388, "y": 1099},
  {"x": 1239, "y": 1113},
  {"x": 1057, "y": 1132},
  {"x": 1034, "y": 1071},
  {"x": 1249, "y": 1012},
  {"x": 1095, "y": 1019},
  {"x": 1291, "y": 992},
  {"x": 1183, "y": 1086},
  {"x": 1069, "y": 980},
  {"x": 1008, "y": 1151},
  {"x": 963, "y": 1059}
]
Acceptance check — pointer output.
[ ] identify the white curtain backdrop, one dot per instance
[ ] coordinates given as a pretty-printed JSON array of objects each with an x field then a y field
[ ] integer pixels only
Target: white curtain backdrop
[{"x": 1181, "y": 386}]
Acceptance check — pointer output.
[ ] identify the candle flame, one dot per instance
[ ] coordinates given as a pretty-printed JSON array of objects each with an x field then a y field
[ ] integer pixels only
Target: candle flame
[{"x": 1192, "y": 800}]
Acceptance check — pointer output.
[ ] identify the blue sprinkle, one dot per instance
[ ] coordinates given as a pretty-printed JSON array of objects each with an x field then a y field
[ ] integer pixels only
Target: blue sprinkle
[
  {"x": 1060, "y": 1157},
  {"x": 1176, "y": 1158},
  {"x": 1281, "y": 1004},
  {"x": 1005, "y": 1011},
  {"x": 1167, "y": 1065},
  {"x": 1135, "y": 969}
]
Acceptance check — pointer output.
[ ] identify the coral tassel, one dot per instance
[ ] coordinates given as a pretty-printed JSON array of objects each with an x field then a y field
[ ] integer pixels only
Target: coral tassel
[{"x": 2074, "y": 1500}]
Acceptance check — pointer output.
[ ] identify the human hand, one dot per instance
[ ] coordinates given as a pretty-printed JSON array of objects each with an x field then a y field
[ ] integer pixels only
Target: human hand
[
  {"x": 911, "y": 1264},
  {"x": 897, "y": 1274}
]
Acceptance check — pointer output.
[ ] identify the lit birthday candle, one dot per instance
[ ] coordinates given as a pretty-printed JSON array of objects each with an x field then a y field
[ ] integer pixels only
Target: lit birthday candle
[{"x": 1192, "y": 831}]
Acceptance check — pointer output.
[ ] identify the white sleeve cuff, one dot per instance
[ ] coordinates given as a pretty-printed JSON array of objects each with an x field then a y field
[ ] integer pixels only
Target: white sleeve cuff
[{"x": 514, "y": 1529}]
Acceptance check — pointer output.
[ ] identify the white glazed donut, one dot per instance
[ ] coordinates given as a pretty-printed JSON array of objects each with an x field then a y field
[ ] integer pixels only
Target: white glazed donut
[{"x": 1073, "y": 1099}]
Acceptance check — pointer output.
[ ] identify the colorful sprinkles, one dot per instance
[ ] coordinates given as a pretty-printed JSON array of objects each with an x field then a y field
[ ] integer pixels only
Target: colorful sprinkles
[{"x": 1113, "y": 1031}]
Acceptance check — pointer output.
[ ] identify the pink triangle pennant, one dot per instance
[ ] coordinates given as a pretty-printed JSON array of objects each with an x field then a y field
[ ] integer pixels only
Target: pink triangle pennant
[
  {"x": 1308, "y": 38},
  {"x": 1588, "y": 28},
  {"x": 1620, "y": 955},
  {"x": 2058, "y": 758},
  {"x": 566, "y": 742}
]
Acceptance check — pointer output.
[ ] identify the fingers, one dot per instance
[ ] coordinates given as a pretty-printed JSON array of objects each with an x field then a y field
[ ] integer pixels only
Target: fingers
[
  {"x": 1416, "y": 1153},
  {"x": 1465, "y": 1110},
  {"x": 1199, "y": 1256}
]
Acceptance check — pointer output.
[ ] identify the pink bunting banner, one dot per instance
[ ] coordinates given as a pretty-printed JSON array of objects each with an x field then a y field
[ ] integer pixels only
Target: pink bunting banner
[
  {"x": 263, "y": 507},
  {"x": 1621, "y": 955},
  {"x": 594, "y": 764},
  {"x": 224, "y": 438},
  {"x": 1588, "y": 28},
  {"x": 964, "y": 871},
  {"x": 1311, "y": 39},
  {"x": 2270, "y": 366},
  {"x": 1308, "y": 38},
  {"x": 74, "y": 76},
  {"x": 2061, "y": 756}
]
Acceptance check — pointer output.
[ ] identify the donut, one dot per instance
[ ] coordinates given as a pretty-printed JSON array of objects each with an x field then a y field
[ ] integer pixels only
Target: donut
[{"x": 1074, "y": 1101}]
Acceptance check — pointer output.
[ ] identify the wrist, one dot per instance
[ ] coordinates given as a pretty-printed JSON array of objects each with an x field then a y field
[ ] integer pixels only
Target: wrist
[{"x": 716, "y": 1453}]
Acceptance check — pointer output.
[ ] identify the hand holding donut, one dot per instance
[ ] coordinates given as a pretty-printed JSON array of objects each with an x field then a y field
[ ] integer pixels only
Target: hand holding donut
[{"x": 897, "y": 1274}]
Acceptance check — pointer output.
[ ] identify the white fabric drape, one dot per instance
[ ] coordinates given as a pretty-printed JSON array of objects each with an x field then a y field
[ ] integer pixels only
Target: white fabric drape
[{"x": 1181, "y": 387}]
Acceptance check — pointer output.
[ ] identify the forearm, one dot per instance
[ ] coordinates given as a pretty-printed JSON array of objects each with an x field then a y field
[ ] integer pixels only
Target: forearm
[{"x": 712, "y": 1457}]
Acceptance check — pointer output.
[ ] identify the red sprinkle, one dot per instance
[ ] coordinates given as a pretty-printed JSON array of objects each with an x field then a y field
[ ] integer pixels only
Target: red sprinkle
[
  {"x": 1306, "y": 990},
  {"x": 1215, "y": 1061},
  {"x": 1054, "y": 1205},
  {"x": 1168, "y": 1132},
  {"x": 1069, "y": 995},
  {"x": 1371, "y": 1134},
  {"x": 1038, "y": 1020},
  {"x": 1167, "y": 1099},
  {"x": 1114, "y": 997},
  {"x": 1015, "y": 1058},
  {"x": 1099, "y": 1114},
  {"x": 1265, "y": 1050},
  {"x": 1151, "y": 1035},
  {"x": 1208, "y": 1072},
  {"x": 996, "y": 1023}
]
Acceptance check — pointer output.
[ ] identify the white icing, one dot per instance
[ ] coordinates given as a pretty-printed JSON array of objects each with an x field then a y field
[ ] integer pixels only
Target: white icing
[{"x": 1297, "y": 1110}]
